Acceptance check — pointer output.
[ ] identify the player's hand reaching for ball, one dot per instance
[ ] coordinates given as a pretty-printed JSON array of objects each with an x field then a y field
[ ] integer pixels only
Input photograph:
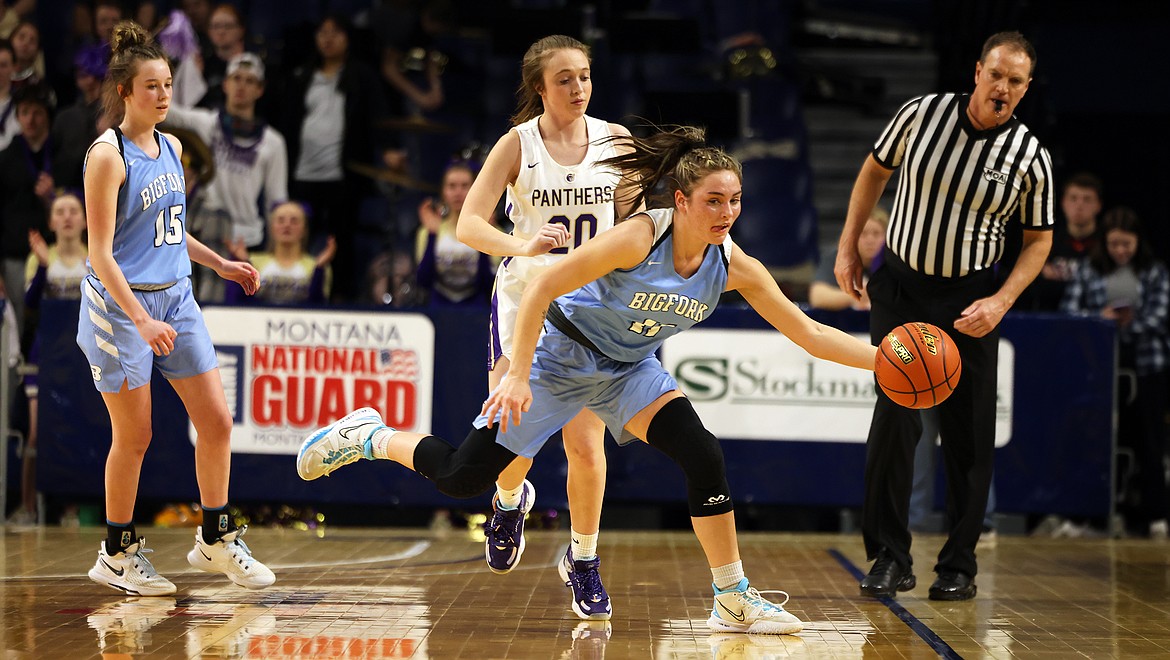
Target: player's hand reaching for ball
[
  {"x": 512, "y": 398},
  {"x": 550, "y": 237},
  {"x": 159, "y": 335}
]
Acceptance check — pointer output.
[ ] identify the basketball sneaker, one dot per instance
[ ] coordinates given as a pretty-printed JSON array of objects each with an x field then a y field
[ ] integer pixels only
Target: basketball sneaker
[
  {"x": 338, "y": 444},
  {"x": 590, "y": 600},
  {"x": 741, "y": 609},
  {"x": 130, "y": 571},
  {"x": 232, "y": 557},
  {"x": 504, "y": 542}
]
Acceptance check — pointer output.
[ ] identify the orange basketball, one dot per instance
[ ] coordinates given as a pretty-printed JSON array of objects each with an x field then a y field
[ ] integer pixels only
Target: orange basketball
[{"x": 917, "y": 365}]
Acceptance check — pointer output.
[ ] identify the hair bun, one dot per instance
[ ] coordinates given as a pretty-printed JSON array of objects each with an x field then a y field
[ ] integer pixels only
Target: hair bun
[{"x": 127, "y": 35}]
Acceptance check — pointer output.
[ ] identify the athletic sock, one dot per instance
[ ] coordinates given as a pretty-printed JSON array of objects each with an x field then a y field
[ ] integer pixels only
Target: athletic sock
[
  {"x": 726, "y": 577},
  {"x": 509, "y": 500},
  {"x": 119, "y": 536},
  {"x": 216, "y": 523},
  {"x": 377, "y": 446},
  {"x": 584, "y": 545}
]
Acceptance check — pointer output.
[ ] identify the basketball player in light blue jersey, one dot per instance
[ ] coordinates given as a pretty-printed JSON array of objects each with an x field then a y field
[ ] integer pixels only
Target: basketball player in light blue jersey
[
  {"x": 558, "y": 199},
  {"x": 610, "y": 305},
  {"x": 138, "y": 313}
]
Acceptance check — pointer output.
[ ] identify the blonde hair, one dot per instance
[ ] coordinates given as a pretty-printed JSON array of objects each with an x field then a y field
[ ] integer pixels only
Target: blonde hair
[{"x": 880, "y": 216}]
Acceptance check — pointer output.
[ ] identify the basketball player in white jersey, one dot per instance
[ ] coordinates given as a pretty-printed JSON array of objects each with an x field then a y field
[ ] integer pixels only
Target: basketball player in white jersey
[{"x": 557, "y": 199}]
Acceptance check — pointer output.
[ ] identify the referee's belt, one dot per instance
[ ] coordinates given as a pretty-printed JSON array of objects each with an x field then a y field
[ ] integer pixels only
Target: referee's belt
[{"x": 152, "y": 287}]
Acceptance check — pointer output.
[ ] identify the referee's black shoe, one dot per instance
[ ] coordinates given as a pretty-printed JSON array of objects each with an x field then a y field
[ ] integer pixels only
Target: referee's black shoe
[
  {"x": 887, "y": 577},
  {"x": 953, "y": 585}
]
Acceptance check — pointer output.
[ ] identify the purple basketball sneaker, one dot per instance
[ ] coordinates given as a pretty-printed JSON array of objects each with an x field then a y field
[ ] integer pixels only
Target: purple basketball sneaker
[
  {"x": 505, "y": 532},
  {"x": 590, "y": 601}
]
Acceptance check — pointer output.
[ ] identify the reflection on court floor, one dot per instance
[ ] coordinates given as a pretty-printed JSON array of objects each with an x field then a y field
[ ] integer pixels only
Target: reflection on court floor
[{"x": 409, "y": 594}]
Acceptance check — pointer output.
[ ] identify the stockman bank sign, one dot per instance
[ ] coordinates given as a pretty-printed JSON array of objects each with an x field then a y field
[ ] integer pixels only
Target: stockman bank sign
[
  {"x": 759, "y": 385},
  {"x": 287, "y": 372}
]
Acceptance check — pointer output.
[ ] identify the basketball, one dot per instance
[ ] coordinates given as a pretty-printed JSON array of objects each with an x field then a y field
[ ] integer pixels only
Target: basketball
[{"x": 917, "y": 365}]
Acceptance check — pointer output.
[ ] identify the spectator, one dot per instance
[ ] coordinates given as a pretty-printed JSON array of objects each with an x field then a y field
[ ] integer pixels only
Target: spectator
[
  {"x": 76, "y": 127},
  {"x": 9, "y": 127},
  {"x": 54, "y": 273},
  {"x": 328, "y": 120},
  {"x": 183, "y": 48},
  {"x": 26, "y": 184},
  {"x": 452, "y": 272},
  {"x": 1124, "y": 282},
  {"x": 198, "y": 12},
  {"x": 250, "y": 156},
  {"x": 410, "y": 62},
  {"x": 1072, "y": 242},
  {"x": 289, "y": 275},
  {"x": 392, "y": 281},
  {"x": 106, "y": 14},
  {"x": 824, "y": 293},
  {"x": 226, "y": 32},
  {"x": 147, "y": 15},
  {"x": 29, "y": 64}
]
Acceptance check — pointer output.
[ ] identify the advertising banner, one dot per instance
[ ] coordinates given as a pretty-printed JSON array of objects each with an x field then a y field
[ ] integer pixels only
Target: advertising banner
[
  {"x": 759, "y": 385},
  {"x": 287, "y": 372}
]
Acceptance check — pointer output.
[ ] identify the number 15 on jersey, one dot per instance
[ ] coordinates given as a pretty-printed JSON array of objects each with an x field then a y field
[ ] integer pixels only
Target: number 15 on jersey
[{"x": 168, "y": 226}]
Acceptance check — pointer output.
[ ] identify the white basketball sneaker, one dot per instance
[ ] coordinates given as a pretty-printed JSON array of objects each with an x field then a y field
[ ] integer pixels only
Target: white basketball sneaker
[
  {"x": 130, "y": 571},
  {"x": 232, "y": 557},
  {"x": 742, "y": 609},
  {"x": 338, "y": 444}
]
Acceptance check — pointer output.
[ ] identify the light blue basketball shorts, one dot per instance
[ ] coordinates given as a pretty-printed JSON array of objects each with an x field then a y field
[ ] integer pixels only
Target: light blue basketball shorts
[
  {"x": 117, "y": 353},
  {"x": 567, "y": 377}
]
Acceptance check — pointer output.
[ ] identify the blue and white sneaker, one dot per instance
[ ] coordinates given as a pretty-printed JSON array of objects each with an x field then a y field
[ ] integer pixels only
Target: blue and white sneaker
[
  {"x": 504, "y": 532},
  {"x": 741, "y": 609},
  {"x": 340, "y": 443},
  {"x": 590, "y": 600}
]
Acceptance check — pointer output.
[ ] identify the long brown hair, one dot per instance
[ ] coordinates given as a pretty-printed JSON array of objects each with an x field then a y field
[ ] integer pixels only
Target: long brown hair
[
  {"x": 675, "y": 157},
  {"x": 532, "y": 74},
  {"x": 129, "y": 45},
  {"x": 1121, "y": 218}
]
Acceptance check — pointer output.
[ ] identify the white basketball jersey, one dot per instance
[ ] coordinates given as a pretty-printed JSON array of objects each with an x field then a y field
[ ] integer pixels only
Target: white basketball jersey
[{"x": 578, "y": 196}]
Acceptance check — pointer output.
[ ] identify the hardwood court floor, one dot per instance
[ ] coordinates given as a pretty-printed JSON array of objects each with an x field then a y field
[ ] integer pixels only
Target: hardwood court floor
[{"x": 398, "y": 594}]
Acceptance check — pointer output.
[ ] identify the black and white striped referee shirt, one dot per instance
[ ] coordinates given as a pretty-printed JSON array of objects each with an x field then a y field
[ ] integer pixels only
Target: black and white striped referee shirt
[{"x": 959, "y": 186}]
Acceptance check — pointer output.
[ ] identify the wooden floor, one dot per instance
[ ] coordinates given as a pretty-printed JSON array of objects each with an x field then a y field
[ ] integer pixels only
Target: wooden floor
[{"x": 398, "y": 594}]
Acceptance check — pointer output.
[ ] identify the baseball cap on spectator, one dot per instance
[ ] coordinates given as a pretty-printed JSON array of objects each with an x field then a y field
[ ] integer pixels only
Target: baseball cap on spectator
[{"x": 249, "y": 62}]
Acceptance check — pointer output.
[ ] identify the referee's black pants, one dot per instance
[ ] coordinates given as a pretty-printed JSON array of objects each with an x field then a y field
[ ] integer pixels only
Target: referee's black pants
[{"x": 898, "y": 295}]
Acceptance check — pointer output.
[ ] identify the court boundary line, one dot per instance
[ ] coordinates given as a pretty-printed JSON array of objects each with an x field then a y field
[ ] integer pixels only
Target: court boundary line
[{"x": 915, "y": 624}]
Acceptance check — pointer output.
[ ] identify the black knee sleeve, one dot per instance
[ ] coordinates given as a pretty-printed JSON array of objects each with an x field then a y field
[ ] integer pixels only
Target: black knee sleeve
[
  {"x": 679, "y": 433},
  {"x": 465, "y": 472}
]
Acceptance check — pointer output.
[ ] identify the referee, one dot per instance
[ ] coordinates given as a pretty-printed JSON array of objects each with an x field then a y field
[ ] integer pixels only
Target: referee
[{"x": 968, "y": 166}]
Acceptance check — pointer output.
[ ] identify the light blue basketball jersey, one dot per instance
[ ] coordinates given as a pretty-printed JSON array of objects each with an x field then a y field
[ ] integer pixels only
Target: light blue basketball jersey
[
  {"x": 627, "y": 314},
  {"x": 150, "y": 240}
]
